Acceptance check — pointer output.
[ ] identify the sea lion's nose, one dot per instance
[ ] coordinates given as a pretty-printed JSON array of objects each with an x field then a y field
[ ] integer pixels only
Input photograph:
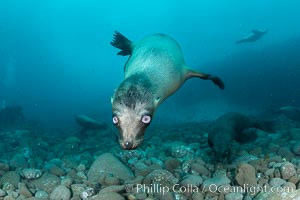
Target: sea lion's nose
[{"x": 128, "y": 145}]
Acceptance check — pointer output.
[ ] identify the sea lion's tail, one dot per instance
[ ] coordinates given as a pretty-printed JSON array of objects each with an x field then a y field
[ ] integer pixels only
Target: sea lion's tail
[{"x": 216, "y": 80}]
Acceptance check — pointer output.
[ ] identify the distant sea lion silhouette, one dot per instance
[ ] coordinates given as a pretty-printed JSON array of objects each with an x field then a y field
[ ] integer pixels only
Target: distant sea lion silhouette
[
  {"x": 254, "y": 36},
  {"x": 11, "y": 116},
  {"x": 290, "y": 112},
  {"x": 227, "y": 128},
  {"x": 154, "y": 71},
  {"x": 89, "y": 124}
]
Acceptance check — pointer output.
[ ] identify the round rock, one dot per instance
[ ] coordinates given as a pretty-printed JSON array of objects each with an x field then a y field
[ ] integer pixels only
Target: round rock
[
  {"x": 61, "y": 192},
  {"x": 277, "y": 182},
  {"x": 246, "y": 175},
  {"x": 108, "y": 164},
  {"x": 287, "y": 170},
  {"x": 233, "y": 196}
]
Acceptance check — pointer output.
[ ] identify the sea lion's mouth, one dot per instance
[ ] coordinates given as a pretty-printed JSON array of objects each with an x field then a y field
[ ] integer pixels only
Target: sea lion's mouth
[{"x": 131, "y": 145}]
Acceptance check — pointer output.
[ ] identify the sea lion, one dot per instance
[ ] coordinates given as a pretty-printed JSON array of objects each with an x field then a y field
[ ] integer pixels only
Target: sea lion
[
  {"x": 227, "y": 128},
  {"x": 154, "y": 71},
  {"x": 290, "y": 112},
  {"x": 89, "y": 124},
  {"x": 254, "y": 36},
  {"x": 11, "y": 116}
]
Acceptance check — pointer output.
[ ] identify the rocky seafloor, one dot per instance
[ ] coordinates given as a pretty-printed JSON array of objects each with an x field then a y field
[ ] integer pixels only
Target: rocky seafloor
[{"x": 174, "y": 163}]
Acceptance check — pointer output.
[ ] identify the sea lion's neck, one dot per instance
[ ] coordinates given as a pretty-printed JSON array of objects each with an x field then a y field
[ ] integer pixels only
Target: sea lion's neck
[{"x": 136, "y": 89}]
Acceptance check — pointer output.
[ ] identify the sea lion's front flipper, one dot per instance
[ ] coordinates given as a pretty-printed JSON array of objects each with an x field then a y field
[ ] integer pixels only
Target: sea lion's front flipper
[
  {"x": 240, "y": 41},
  {"x": 215, "y": 79},
  {"x": 246, "y": 135},
  {"x": 255, "y": 31},
  {"x": 122, "y": 43}
]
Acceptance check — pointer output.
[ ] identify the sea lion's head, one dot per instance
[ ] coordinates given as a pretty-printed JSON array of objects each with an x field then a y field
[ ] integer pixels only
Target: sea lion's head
[
  {"x": 220, "y": 139},
  {"x": 220, "y": 149},
  {"x": 132, "y": 111},
  {"x": 131, "y": 124}
]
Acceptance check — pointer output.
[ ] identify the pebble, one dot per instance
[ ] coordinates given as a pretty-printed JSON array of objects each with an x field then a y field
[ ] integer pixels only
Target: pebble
[
  {"x": 245, "y": 158},
  {"x": 2, "y": 193},
  {"x": 18, "y": 162},
  {"x": 179, "y": 151},
  {"x": 11, "y": 177},
  {"x": 111, "y": 180},
  {"x": 46, "y": 182},
  {"x": 41, "y": 194},
  {"x": 61, "y": 192},
  {"x": 197, "y": 196},
  {"x": 113, "y": 188},
  {"x": 57, "y": 171},
  {"x": 270, "y": 172},
  {"x": 278, "y": 195},
  {"x": 287, "y": 170},
  {"x": 106, "y": 164},
  {"x": 107, "y": 196},
  {"x": 192, "y": 180},
  {"x": 285, "y": 153},
  {"x": 234, "y": 196},
  {"x": 81, "y": 167},
  {"x": 219, "y": 179},
  {"x": 162, "y": 177},
  {"x": 23, "y": 190},
  {"x": 9, "y": 198},
  {"x": 289, "y": 186},
  {"x": 246, "y": 175},
  {"x": 276, "y": 182},
  {"x": 30, "y": 173},
  {"x": 296, "y": 148},
  {"x": 4, "y": 166},
  {"x": 200, "y": 169},
  {"x": 66, "y": 181},
  {"x": 77, "y": 189},
  {"x": 172, "y": 164}
]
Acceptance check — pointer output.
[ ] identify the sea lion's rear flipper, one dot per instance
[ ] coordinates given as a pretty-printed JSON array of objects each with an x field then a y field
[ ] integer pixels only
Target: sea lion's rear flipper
[
  {"x": 240, "y": 41},
  {"x": 216, "y": 80},
  {"x": 122, "y": 43}
]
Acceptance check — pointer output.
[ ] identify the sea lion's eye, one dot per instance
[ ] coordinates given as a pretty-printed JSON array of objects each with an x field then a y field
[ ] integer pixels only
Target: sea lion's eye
[
  {"x": 146, "y": 119},
  {"x": 115, "y": 120}
]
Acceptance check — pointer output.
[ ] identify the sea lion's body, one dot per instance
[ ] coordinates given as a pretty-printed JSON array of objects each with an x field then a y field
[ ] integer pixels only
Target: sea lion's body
[
  {"x": 89, "y": 123},
  {"x": 165, "y": 70},
  {"x": 228, "y": 128},
  {"x": 153, "y": 72},
  {"x": 290, "y": 112},
  {"x": 254, "y": 36}
]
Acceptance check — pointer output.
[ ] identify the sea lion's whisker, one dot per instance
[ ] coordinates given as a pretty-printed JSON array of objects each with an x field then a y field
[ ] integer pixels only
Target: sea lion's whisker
[{"x": 138, "y": 142}]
